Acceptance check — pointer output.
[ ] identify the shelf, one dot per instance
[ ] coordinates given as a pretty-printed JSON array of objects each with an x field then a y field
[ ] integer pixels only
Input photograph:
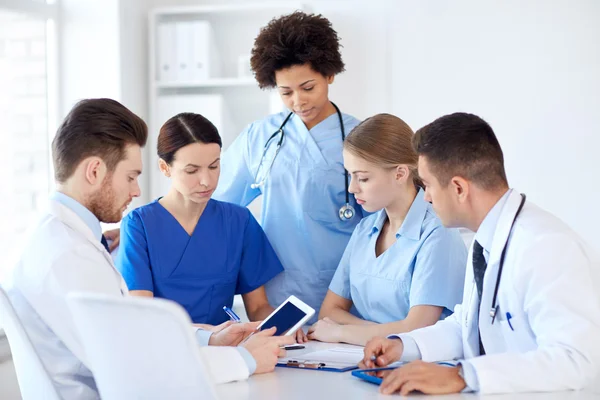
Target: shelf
[
  {"x": 229, "y": 8},
  {"x": 211, "y": 83}
]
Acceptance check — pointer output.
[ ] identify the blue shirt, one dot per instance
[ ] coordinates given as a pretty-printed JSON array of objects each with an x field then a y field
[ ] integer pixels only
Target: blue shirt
[
  {"x": 227, "y": 254},
  {"x": 425, "y": 266},
  {"x": 301, "y": 199}
]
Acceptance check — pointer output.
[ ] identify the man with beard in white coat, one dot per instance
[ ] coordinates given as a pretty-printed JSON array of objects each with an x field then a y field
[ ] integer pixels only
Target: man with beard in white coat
[
  {"x": 97, "y": 160},
  {"x": 530, "y": 316}
]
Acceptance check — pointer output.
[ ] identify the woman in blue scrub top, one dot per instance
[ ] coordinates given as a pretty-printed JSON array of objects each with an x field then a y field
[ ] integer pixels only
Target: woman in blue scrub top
[
  {"x": 188, "y": 247},
  {"x": 402, "y": 269},
  {"x": 303, "y": 184}
]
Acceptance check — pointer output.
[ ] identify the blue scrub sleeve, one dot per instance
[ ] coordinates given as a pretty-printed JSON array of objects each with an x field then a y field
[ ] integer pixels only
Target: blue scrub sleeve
[
  {"x": 439, "y": 273},
  {"x": 133, "y": 260},
  {"x": 340, "y": 283},
  {"x": 259, "y": 263},
  {"x": 236, "y": 177}
]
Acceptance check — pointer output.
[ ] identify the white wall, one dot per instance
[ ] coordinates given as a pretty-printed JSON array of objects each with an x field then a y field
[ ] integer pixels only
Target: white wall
[
  {"x": 89, "y": 50},
  {"x": 133, "y": 67},
  {"x": 103, "y": 48},
  {"x": 531, "y": 69}
]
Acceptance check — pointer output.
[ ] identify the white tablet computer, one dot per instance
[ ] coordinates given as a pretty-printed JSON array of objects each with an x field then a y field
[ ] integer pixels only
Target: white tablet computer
[{"x": 288, "y": 317}]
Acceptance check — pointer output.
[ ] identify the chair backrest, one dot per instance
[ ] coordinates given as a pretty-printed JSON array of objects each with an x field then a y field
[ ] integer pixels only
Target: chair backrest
[
  {"x": 140, "y": 348},
  {"x": 34, "y": 381}
]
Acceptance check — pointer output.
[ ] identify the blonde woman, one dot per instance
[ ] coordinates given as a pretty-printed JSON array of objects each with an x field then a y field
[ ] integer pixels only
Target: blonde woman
[{"x": 401, "y": 270}]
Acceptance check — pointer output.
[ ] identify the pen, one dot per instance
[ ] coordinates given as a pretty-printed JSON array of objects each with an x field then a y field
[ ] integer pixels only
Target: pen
[
  {"x": 232, "y": 315},
  {"x": 508, "y": 317}
]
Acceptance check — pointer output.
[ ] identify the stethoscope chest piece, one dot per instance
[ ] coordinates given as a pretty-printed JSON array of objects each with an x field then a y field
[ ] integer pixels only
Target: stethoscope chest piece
[{"x": 346, "y": 212}]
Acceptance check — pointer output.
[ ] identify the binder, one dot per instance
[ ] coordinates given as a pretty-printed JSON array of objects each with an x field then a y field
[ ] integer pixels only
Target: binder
[
  {"x": 184, "y": 36},
  {"x": 206, "y": 63},
  {"x": 201, "y": 57},
  {"x": 165, "y": 40}
]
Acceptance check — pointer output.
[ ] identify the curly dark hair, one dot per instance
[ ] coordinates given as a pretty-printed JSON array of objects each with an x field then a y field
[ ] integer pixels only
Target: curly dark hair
[{"x": 295, "y": 39}]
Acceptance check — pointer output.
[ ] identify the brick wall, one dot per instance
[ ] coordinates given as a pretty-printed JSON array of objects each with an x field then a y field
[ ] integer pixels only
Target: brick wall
[{"x": 24, "y": 142}]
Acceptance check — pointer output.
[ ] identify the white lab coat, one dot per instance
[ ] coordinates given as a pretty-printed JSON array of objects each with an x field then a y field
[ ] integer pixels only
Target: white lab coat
[
  {"x": 63, "y": 256},
  {"x": 549, "y": 285}
]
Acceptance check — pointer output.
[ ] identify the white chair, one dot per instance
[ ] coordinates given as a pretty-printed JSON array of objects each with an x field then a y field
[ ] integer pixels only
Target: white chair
[
  {"x": 140, "y": 348},
  {"x": 34, "y": 381}
]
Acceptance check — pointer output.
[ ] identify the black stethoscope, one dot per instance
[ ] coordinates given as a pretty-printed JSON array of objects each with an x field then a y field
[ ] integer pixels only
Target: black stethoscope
[
  {"x": 346, "y": 212},
  {"x": 494, "y": 309}
]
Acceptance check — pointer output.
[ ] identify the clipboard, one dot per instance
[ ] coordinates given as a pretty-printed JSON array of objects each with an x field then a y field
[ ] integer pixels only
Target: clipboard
[
  {"x": 336, "y": 359},
  {"x": 316, "y": 365}
]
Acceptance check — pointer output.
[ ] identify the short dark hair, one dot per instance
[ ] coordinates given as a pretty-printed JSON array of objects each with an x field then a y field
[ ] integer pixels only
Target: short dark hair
[
  {"x": 95, "y": 127},
  {"x": 183, "y": 129},
  {"x": 295, "y": 39},
  {"x": 462, "y": 144}
]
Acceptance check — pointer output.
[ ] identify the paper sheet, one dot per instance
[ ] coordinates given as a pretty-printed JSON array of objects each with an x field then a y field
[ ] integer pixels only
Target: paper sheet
[{"x": 337, "y": 355}]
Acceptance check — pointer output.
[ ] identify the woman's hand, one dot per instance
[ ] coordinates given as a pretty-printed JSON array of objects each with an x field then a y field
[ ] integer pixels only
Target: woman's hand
[
  {"x": 326, "y": 330},
  {"x": 301, "y": 336}
]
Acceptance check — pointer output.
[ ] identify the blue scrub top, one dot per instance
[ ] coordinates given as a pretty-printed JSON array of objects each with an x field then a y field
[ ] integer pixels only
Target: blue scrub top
[
  {"x": 227, "y": 254},
  {"x": 301, "y": 200},
  {"x": 425, "y": 266}
]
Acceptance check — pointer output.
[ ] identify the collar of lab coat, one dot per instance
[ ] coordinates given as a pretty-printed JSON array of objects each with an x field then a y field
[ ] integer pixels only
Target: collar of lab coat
[
  {"x": 71, "y": 219},
  {"x": 487, "y": 228},
  {"x": 82, "y": 212},
  {"x": 505, "y": 221},
  {"x": 500, "y": 237}
]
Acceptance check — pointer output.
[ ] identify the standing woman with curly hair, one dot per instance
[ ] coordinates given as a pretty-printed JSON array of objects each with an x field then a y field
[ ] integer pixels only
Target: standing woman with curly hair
[{"x": 294, "y": 158}]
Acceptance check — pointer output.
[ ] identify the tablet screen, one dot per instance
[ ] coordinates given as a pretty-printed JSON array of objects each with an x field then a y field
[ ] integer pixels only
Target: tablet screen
[{"x": 284, "y": 319}]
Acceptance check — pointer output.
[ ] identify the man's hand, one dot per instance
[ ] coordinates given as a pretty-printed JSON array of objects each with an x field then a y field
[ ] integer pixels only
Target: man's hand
[
  {"x": 232, "y": 334},
  {"x": 214, "y": 328},
  {"x": 264, "y": 347},
  {"x": 115, "y": 236},
  {"x": 424, "y": 377},
  {"x": 380, "y": 352},
  {"x": 326, "y": 330}
]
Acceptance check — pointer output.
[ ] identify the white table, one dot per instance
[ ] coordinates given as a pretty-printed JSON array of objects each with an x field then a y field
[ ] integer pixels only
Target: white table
[{"x": 296, "y": 384}]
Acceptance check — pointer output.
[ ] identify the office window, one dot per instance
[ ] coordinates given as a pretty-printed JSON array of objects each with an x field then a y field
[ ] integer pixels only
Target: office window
[{"x": 26, "y": 104}]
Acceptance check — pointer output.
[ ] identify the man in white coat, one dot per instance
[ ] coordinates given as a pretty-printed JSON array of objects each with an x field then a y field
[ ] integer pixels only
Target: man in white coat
[
  {"x": 534, "y": 325},
  {"x": 97, "y": 160}
]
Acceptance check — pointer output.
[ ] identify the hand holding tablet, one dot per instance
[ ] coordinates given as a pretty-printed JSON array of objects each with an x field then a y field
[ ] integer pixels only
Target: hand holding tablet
[{"x": 288, "y": 317}]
